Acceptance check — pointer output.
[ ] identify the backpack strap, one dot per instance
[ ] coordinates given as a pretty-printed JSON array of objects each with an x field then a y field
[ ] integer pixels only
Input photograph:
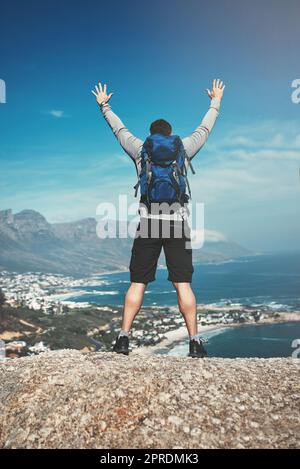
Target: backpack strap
[
  {"x": 177, "y": 173},
  {"x": 188, "y": 186},
  {"x": 148, "y": 174},
  {"x": 175, "y": 176},
  {"x": 148, "y": 171},
  {"x": 136, "y": 187},
  {"x": 148, "y": 168},
  {"x": 184, "y": 169},
  {"x": 189, "y": 164}
]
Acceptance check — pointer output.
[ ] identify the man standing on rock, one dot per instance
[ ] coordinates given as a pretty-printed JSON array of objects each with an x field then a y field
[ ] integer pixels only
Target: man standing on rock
[{"x": 161, "y": 163}]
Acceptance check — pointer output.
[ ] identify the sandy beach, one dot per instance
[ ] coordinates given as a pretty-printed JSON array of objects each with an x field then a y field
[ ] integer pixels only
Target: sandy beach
[{"x": 180, "y": 334}]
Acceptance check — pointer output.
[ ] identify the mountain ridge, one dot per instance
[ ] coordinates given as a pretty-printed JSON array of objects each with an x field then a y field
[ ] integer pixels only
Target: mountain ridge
[{"x": 30, "y": 243}]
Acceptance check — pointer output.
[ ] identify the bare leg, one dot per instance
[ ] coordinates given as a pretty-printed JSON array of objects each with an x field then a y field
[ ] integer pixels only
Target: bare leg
[
  {"x": 187, "y": 306},
  {"x": 133, "y": 302}
]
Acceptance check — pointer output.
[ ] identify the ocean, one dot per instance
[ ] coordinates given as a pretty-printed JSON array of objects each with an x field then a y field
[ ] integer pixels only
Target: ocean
[
  {"x": 263, "y": 341},
  {"x": 270, "y": 280}
]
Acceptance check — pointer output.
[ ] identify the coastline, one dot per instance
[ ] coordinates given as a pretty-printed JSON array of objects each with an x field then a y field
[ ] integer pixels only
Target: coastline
[
  {"x": 82, "y": 304},
  {"x": 173, "y": 337}
]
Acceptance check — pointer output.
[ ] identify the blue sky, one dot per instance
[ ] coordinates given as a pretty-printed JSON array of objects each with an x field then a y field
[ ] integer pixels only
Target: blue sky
[{"x": 58, "y": 155}]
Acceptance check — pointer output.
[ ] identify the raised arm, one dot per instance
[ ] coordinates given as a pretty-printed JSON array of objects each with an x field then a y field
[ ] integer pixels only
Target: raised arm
[
  {"x": 131, "y": 144},
  {"x": 194, "y": 142}
]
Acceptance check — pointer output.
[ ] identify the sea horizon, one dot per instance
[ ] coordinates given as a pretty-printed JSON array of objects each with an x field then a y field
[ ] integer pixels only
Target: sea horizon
[{"x": 272, "y": 280}]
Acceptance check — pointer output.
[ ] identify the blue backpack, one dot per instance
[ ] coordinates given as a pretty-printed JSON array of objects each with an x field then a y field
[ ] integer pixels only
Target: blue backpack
[{"x": 163, "y": 176}]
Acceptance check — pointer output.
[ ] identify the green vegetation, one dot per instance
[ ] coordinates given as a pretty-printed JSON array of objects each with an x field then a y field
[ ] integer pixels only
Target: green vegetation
[
  {"x": 75, "y": 327},
  {"x": 63, "y": 331}
]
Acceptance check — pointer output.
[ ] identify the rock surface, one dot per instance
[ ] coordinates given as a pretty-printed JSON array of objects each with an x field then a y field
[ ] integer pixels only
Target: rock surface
[{"x": 65, "y": 399}]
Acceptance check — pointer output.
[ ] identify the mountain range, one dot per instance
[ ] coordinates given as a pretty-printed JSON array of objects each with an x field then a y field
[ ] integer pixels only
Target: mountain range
[{"x": 29, "y": 243}]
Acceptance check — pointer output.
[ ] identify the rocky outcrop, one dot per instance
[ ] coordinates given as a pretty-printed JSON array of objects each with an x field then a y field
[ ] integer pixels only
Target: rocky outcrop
[{"x": 65, "y": 399}]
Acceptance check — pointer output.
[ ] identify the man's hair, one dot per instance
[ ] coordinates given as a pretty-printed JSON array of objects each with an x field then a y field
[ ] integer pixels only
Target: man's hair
[{"x": 160, "y": 126}]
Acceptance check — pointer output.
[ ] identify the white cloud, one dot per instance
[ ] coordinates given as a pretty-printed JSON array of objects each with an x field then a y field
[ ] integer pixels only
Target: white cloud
[
  {"x": 248, "y": 180},
  {"x": 212, "y": 236},
  {"x": 271, "y": 153},
  {"x": 275, "y": 135},
  {"x": 297, "y": 141},
  {"x": 123, "y": 159},
  {"x": 57, "y": 113}
]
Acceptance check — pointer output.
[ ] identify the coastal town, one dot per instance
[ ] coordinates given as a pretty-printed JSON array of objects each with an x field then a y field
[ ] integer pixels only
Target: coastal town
[
  {"x": 40, "y": 291},
  {"x": 49, "y": 296}
]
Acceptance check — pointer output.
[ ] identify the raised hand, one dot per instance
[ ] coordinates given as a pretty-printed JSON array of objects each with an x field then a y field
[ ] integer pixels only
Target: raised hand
[
  {"x": 101, "y": 94},
  {"x": 217, "y": 89}
]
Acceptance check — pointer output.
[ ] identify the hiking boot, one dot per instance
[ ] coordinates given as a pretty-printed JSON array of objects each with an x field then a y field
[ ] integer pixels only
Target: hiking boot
[
  {"x": 196, "y": 349},
  {"x": 121, "y": 345}
]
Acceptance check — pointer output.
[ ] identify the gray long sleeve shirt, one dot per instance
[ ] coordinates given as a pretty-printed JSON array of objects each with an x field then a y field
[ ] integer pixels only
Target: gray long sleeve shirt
[{"x": 133, "y": 145}]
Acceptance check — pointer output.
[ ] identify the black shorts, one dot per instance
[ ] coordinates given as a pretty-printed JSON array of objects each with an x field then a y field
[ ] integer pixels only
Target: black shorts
[{"x": 146, "y": 250}]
